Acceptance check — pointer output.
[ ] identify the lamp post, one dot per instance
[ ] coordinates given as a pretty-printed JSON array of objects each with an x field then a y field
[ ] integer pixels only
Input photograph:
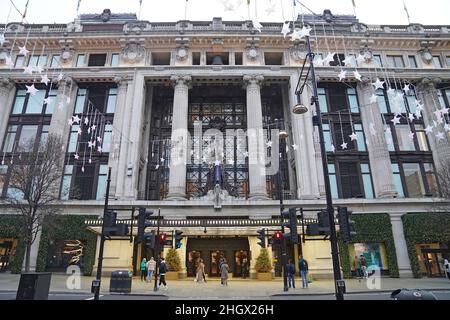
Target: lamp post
[{"x": 299, "y": 108}]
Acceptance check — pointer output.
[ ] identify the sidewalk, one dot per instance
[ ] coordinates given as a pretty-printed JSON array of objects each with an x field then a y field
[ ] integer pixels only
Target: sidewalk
[{"x": 237, "y": 289}]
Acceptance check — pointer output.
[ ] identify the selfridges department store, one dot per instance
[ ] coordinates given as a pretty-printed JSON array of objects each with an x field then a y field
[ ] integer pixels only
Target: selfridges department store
[{"x": 185, "y": 114}]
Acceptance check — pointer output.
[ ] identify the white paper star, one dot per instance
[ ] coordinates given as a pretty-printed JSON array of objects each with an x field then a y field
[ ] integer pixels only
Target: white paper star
[
  {"x": 444, "y": 111},
  {"x": 390, "y": 91},
  {"x": 23, "y": 51},
  {"x": 318, "y": 61},
  {"x": 342, "y": 75},
  {"x": 9, "y": 63},
  {"x": 231, "y": 161},
  {"x": 269, "y": 144},
  {"x": 217, "y": 163},
  {"x": 396, "y": 120},
  {"x": 82, "y": 169},
  {"x": 388, "y": 130},
  {"x": 76, "y": 156},
  {"x": 305, "y": 32},
  {"x": 360, "y": 59},
  {"x": 378, "y": 84},
  {"x": 70, "y": 122},
  {"x": 329, "y": 58},
  {"x": 86, "y": 121},
  {"x": 418, "y": 115},
  {"x": 79, "y": 131},
  {"x": 440, "y": 136},
  {"x": 373, "y": 98},
  {"x": 91, "y": 144},
  {"x": 296, "y": 35},
  {"x": 245, "y": 154},
  {"x": 285, "y": 30},
  {"x": 357, "y": 75},
  {"x": 31, "y": 90},
  {"x": 437, "y": 113},
  {"x": 406, "y": 88},
  {"x": 294, "y": 146},
  {"x": 76, "y": 119},
  {"x": 94, "y": 127},
  {"x": 411, "y": 135},
  {"x": 353, "y": 136},
  {"x": 47, "y": 100},
  {"x": 447, "y": 127},
  {"x": 344, "y": 145},
  {"x": 45, "y": 79},
  {"x": 28, "y": 70},
  {"x": 157, "y": 167},
  {"x": 2, "y": 39},
  {"x": 99, "y": 139},
  {"x": 333, "y": 148},
  {"x": 162, "y": 160},
  {"x": 258, "y": 26},
  {"x": 429, "y": 129},
  {"x": 349, "y": 61},
  {"x": 411, "y": 117}
]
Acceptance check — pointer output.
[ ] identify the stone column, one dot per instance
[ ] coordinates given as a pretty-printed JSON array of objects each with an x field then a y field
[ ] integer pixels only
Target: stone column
[
  {"x": 6, "y": 97},
  {"x": 256, "y": 145},
  {"x": 401, "y": 249},
  {"x": 305, "y": 164},
  {"x": 179, "y": 138},
  {"x": 380, "y": 161},
  {"x": 63, "y": 110},
  {"x": 117, "y": 139},
  {"x": 440, "y": 147}
]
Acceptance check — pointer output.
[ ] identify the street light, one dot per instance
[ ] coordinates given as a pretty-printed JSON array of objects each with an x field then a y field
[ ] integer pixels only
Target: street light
[{"x": 299, "y": 108}]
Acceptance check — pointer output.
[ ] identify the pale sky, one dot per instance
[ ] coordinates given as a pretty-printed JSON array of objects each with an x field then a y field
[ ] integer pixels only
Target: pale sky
[{"x": 429, "y": 12}]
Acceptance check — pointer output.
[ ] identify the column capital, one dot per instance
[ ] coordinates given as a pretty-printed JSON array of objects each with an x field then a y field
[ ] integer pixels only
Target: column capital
[
  {"x": 66, "y": 81},
  {"x": 122, "y": 80},
  {"x": 6, "y": 82},
  {"x": 183, "y": 80},
  {"x": 427, "y": 82},
  {"x": 255, "y": 79},
  {"x": 365, "y": 81}
]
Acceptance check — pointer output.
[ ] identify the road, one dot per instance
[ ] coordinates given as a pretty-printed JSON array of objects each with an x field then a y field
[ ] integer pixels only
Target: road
[{"x": 10, "y": 295}]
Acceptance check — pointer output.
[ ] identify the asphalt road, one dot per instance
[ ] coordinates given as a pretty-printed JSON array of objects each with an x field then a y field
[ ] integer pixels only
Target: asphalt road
[{"x": 9, "y": 295}]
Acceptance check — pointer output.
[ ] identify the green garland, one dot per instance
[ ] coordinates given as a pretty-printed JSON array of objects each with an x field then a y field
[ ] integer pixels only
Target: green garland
[
  {"x": 431, "y": 227},
  {"x": 68, "y": 227},
  {"x": 371, "y": 228},
  {"x": 11, "y": 227}
]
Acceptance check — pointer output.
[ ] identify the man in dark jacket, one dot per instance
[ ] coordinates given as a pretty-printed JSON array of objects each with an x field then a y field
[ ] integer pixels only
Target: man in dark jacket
[
  {"x": 162, "y": 273},
  {"x": 303, "y": 268},
  {"x": 290, "y": 269}
]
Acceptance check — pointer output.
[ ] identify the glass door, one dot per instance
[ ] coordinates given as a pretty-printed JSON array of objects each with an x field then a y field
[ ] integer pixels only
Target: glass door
[
  {"x": 192, "y": 261},
  {"x": 216, "y": 257},
  {"x": 241, "y": 263}
]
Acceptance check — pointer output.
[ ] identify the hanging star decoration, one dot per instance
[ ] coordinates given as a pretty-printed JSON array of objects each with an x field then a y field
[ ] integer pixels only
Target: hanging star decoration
[
  {"x": 444, "y": 110},
  {"x": 390, "y": 91},
  {"x": 47, "y": 100},
  {"x": 378, "y": 84},
  {"x": 388, "y": 130},
  {"x": 296, "y": 35},
  {"x": 99, "y": 139},
  {"x": 86, "y": 121},
  {"x": 357, "y": 75},
  {"x": 396, "y": 120},
  {"x": 91, "y": 144},
  {"x": 76, "y": 156},
  {"x": 45, "y": 79},
  {"x": 360, "y": 59},
  {"x": 28, "y": 70},
  {"x": 418, "y": 114},
  {"x": 70, "y": 122},
  {"x": 157, "y": 167},
  {"x": 344, "y": 145},
  {"x": 438, "y": 114},
  {"x": 79, "y": 131},
  {"x": 349, "y": 61},
  {"x": 162, "y": 160},
  {"x": 285, "y": 30},
  {"x": 329, "y": 58},
  {"x": 269, "y": 144},
  {"x": 76, "y": 119},
  {"x": 294, "y": 146},
  {"x": 305, "y": 32},
  {"x": 373, "y": 132},
  {"x": 429, "y": 129},
  {"x": 31, "y": 90},
  {"x": 9, "y": 63},
  {"x": 258, "y": 26},
  {"x": 447, "y": 127},
  {"x": 411, "y": 117},
  {"x": 217, "y": 163},
  {"x": 245, "y": 154},
  {"x": 440, "y": 136},
  {"x": 23, "y": 51},
  {"x": 373, "y": 98},
  {"x": 99, "y": 149},
  {"x": 333, "y": 148},
  {"x": 406, "y": 88},
  {"x": 411, "y": 135},
  {"x": 353, "y": 136},
  {"x": 2, "y": 39},
  {"x": 342, "y": 75}
]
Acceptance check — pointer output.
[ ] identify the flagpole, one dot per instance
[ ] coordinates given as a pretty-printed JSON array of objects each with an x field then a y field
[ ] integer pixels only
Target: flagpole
[{"x": 406, "y": 10}]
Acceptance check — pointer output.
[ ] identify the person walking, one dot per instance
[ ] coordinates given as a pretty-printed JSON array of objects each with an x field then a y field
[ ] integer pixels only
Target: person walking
[
  {"x": 303, "y": 268},
  {"x": 290, "y": 268},
  {"x": 357, "y": 265},
  {"x": 447, "y": 268},
  {"x": 151, "y": 265},
  {"x": 162, "y": 273},
  {"x": 224, "y": 272},
  {"x": 363, "y": 262},
  {"x": 200, "y": 272},
  {"x": 244, "y": 268},
  {"x": 143, "y": 269}
]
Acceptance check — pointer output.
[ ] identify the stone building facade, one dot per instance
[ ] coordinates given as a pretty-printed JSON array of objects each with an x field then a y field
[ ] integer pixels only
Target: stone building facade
[{"x": 150, "y": 85}]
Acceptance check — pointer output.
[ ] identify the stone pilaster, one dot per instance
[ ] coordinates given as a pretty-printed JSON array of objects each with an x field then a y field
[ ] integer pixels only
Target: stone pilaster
[
  {"x": 34, "y": 250},
  {"x": 428, "y": 96},
  {"x": 305, "y": 164},
  {"x": 256, "y": 145},
  {"x": 6, "y": 98},
  {"x": 401, "y": 249},
  {"x": 117, "y": 139},
  {"x": 380, "y": 161},
  {"x": 179, "y": 137}
]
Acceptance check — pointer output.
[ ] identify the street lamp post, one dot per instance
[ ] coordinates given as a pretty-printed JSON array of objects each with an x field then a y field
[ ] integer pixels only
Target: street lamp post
[{"x": 329, "y": 200}]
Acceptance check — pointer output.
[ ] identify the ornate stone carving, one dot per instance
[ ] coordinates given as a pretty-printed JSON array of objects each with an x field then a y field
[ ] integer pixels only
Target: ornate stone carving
[
  {"x": 135, "y": 27},
  {"x": 181, "y": 80},
  {"x": 426, "y": 55},
  {"x": 133, "y": 52},
  {"x": 182, "y": 53},
  {"x": 298, "y": 52},
  {"x": 252, "y": 53},
  {"x": 67, "y": 54},
  {"x": 253, "y": 80}
]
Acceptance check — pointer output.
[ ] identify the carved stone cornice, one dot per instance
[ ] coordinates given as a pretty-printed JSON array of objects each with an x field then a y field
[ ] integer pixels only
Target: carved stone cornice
[
  {"x": 181, "y": 81},
  {"x": 253, "y": 80},
  {"x": 429, "y": 83}
]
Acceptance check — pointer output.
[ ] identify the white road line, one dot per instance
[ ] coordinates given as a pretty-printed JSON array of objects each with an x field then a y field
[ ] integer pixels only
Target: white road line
[{"x": 92, "y": 298}]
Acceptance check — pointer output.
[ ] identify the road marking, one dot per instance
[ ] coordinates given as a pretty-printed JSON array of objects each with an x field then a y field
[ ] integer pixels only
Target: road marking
[{"x": 92, "y": 298}]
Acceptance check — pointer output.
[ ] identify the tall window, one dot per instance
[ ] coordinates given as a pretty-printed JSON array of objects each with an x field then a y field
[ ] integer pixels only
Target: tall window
[
  {"x": 115, "y": 59},
  {"x": 415, "y": 179},
  {"x": 395, "y": 61},
  {"x": 355, "y": 180},
  {"x": 81, "y": 60},
  {"x": 437, "y": 62},
  {"x": 412, "y": 62},
  {"x": 398, "y": 180},
  {"x": 377, "y": 61},
  {"x": 37, "y": 61}
]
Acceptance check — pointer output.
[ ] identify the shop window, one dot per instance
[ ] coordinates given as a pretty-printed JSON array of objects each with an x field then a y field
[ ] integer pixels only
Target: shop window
[
  {"x": 373, "y": 252},
  {"x": 97, "y": 60},
  {"x": 64, "y": 253}
]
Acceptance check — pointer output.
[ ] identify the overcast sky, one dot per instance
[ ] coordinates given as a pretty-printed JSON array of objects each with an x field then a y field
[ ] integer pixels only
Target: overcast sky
[{"x": 368, "y": 11}]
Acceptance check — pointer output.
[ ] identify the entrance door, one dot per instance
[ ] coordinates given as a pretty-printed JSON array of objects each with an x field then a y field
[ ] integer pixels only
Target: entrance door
[
  {"x": 215, "y": 259},
  {"x": 432, "y": 264},
  {"x": 192, "y": 261},
  {"x": 241, "y": 263}
]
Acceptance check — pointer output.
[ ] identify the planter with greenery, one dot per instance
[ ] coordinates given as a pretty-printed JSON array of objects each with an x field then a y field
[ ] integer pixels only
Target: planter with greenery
[
  {"x": 424, "y": 228},
  {"x": 173, "y": 262},
  {"x": 371, "y": 228},
  {"x": 263, "y": 266},
  {"x": 68, "y": 227}
]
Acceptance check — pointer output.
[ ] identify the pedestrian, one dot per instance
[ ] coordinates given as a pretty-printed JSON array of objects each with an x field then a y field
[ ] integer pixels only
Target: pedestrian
[
  {"x": 143, "y": 269},
  {"x": 224, "y": 272},
  {"x": 363, "y": 262},
  {"x": 357, "y": 265},
  {"x": 151, "y": 265},
  {"x": 290, "y": 269},
  {"x": 162, "y": 273},
  {"x": 303, "y": 268},
  {"x": 447, "y": 268},
  {"x": 221, "y": 259},
  {"x": 244, "y": 268},
  {"x": 200, "y": 272}
]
